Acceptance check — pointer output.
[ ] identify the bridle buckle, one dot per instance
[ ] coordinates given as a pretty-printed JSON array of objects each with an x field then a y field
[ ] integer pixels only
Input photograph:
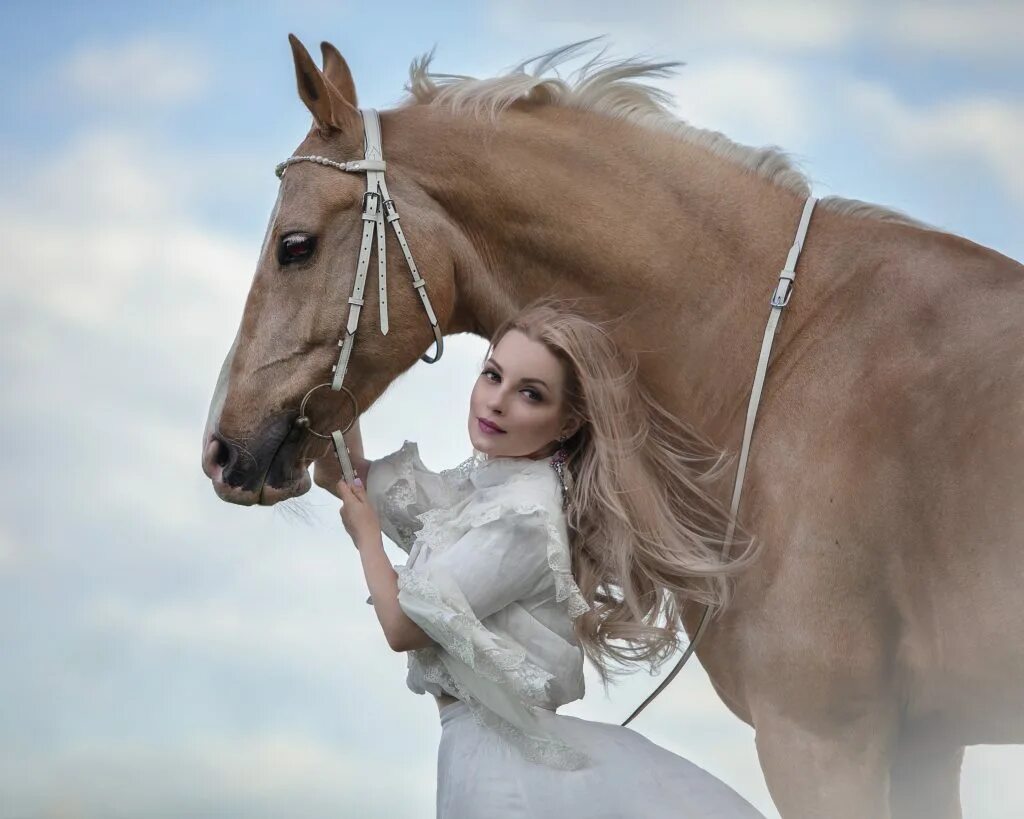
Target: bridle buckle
[{"x": 371, "y": 202}]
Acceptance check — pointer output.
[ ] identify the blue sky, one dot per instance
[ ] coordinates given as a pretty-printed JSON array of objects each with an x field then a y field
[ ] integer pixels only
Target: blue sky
[{"x": 166, "y": 654}]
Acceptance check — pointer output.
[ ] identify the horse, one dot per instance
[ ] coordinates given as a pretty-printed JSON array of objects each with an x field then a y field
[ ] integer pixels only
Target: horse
[{"x": 883, "y": 628}]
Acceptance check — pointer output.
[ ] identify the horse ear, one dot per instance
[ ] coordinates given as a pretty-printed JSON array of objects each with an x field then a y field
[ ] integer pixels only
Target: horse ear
[
  {"x": 330, "y": 111},
  {"x": 338, "y": 74}
]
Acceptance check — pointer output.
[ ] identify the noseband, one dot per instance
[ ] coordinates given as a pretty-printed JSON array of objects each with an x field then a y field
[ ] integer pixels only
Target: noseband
[{"x": 378, "y": 208}]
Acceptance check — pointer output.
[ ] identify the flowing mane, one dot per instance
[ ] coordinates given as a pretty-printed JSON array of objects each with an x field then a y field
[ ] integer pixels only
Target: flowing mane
[{"x": 616, "y": 89}]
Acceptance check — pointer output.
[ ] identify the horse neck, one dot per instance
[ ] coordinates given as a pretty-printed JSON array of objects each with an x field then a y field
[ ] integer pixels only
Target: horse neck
[{"x": 684, "y": 245}]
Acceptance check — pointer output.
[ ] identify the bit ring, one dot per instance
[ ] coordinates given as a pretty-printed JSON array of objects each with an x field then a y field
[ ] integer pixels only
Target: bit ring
[{"x": 303, "y": 420}]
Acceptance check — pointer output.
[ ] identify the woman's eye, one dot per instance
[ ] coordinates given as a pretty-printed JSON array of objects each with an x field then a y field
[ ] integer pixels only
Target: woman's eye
[
  {"x": 531, "y": 393},
  {"x": 295, "y": 247}
]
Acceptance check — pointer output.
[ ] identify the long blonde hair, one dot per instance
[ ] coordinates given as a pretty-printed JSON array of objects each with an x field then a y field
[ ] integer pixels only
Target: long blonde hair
[{"x": 646, "y": 529}]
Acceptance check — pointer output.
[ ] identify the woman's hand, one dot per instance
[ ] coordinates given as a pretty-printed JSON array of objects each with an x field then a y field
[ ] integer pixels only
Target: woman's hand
[
  {"x": 327, "y": 468},
  {"x": 357, "y": 513}
]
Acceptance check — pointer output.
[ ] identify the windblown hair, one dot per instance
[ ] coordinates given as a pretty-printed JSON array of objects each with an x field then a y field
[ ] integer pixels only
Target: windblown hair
[{"x": 646, "y": 530}]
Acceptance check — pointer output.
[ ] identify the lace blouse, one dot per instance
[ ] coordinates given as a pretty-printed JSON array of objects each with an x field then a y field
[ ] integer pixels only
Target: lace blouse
[{"x": 489, "y": 580}]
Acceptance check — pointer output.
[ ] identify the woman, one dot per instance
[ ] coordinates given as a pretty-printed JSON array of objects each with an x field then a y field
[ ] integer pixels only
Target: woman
[{"x": 580, "y": 526}]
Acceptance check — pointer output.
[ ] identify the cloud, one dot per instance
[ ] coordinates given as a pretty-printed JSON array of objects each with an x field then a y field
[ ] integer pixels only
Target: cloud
[
  {"x": 783, "y": 27},
  {"x": 751, "y": 100},
  {"x": 10, "y": 552},
  {"x": 291, "y": 609},
  {"x": 985, "y": 130},
  {"x": 982, "y": 30},
  {"x": 146, "y": 71},
  {"x": 979, "y": 31},
  {"x": 271, "y": 773},
  {"x": 105, "y": 228}
]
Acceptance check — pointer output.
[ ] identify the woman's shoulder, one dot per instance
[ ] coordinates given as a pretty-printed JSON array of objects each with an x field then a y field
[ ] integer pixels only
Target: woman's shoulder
[
  {"x": 405, "y": 467},
  {"x": 525, "y": 487},
  {"x": 477, "y": 489}
]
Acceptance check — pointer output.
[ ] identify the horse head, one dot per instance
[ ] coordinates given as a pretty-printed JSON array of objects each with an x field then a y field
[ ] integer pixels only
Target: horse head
[{"x": 298, "y": 305}]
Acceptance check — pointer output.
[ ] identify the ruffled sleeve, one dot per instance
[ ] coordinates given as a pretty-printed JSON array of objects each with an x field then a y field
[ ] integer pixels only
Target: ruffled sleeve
[
  {"x": 400, "y": 487},
  {"x": 503, "y": 555}
]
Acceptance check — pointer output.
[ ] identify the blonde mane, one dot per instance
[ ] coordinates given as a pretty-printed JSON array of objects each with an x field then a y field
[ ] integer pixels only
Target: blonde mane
[{"x": 615, "y": 88}]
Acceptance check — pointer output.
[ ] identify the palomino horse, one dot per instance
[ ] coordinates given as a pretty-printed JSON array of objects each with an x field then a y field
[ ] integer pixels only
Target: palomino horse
[{"x": 883, "y": 630}]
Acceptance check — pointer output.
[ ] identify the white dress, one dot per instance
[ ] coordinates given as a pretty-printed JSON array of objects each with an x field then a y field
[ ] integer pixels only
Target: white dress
[{"x": 489, "y": 580}]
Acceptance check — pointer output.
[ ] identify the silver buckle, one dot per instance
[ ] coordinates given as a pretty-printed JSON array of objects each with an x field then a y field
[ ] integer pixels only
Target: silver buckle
[
  {"x": 780, "y": 298},
  {"x": 371, "y": 201}
]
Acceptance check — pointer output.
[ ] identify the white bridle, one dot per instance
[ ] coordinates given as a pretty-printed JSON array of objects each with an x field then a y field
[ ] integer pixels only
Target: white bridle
[{"x": 378, "y": 208}]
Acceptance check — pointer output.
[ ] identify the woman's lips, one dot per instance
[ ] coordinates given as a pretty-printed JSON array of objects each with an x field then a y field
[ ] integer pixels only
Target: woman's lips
[{"x": 489, "y": 428}]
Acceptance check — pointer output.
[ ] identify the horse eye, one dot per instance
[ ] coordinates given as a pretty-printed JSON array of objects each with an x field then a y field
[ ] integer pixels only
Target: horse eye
[{"x": 295, "y": 247}]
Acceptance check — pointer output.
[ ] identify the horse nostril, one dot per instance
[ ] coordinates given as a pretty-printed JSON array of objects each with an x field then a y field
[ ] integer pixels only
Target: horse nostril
[{"x": 222, "y": 452}]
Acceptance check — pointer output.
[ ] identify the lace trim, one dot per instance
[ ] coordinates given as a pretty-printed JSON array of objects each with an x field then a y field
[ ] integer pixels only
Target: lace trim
[
  {"x": 442, "y": 526},
  {"x": 402, "y": 493},
  {"x": 438, "y": 526},
  {"x": 505, "y": 665},
  {"x": 545, "y": 751},
  {"x": 458, "y": 476}
]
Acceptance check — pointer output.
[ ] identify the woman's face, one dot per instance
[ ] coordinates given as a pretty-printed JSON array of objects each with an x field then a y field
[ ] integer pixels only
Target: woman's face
[{"x": 520, "y": 392}]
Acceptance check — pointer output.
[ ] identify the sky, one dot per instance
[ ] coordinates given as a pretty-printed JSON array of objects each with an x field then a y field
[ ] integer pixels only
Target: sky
[{"x": 166, "y": 654}]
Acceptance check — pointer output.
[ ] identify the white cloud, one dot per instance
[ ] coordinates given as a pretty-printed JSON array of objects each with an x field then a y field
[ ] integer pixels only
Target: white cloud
[
  {"x": 751, "y": 100},
  {"x": 9, "y": 551},
  {"x": 294, "y": 610},
  {"x": 94, "y": 234},
  {"x": 801, "y": 25},
  {"x": 145, "y": 71},
  {"x": 984, "y": 130},
  {"x": 270, "y": 773},
  {"x": 982, "y": 30}
]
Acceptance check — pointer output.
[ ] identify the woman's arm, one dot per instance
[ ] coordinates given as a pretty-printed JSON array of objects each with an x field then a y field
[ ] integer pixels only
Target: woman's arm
[{"x": 401, "y": 633}]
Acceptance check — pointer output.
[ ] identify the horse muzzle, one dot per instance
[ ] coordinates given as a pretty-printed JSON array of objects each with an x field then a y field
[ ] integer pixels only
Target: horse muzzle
[{"x": 259, "y": 469}]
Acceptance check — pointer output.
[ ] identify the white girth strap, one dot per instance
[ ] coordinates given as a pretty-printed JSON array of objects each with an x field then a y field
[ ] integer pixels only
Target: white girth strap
[{"x": 780, "y": 298}]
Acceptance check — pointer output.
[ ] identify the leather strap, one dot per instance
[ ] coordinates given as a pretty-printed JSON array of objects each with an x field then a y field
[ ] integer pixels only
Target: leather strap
[
  {"x": 779, "y": 300},
  {"x": 378, "y": 211}
]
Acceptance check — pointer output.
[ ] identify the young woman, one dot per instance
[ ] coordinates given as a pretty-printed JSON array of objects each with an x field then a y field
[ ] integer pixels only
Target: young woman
[{"x": 580, "y": 526}]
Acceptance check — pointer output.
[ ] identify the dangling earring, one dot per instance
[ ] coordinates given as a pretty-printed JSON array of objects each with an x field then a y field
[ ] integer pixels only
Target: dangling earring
[{"x": 558, "y": 462}]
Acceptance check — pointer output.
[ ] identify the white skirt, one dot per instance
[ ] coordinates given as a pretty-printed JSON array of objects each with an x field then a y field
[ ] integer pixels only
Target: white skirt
[{"x": 481, "y": 776}]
